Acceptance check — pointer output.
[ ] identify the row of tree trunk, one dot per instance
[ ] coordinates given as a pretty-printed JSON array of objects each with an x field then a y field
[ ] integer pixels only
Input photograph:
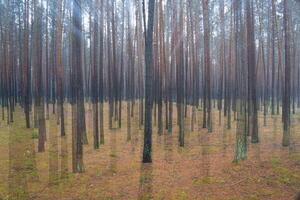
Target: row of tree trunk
[{"x": 182, "y": 51}]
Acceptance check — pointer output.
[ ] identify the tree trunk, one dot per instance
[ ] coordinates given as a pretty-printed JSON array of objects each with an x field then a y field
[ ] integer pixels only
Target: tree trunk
[
  {"x": 147, "y": 157},
  {"x": 287, "y": 85}
]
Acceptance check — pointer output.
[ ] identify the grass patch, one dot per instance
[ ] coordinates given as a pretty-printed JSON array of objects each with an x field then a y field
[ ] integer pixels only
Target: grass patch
[
  {"x": 161, "y": 194},
  {"x": 275, "y": 161},
  {"x": 233, "y": 198},
  {"x": 210, "y": 149},
  {"x": 181, "y": 195},
  {"x": 251, "y": 197},
  {"x": 207, "y": 180},
  {"x": 145, "y": 179},
  {"x": 142, "y": 196},
  {"x": 108, "y": 198},
  {"x": 35, "y": 134},
  {"x": 281, "y": 174},
  {"x": 266, "y": 191},
  {"x": 3, "y": 136},
  {"x": 18, "y": 193},
  {"x": 286, "y": 176},
  {"x": 295, "y": 157}
]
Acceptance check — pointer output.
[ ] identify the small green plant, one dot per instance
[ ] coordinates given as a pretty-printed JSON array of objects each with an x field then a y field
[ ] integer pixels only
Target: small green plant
[{"x": 35, "y": 134}]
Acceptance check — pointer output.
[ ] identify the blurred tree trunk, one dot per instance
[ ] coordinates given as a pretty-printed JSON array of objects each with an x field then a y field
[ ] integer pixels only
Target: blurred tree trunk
[
  {"x": 59, "y": 69},
  {"x": 101, "y": 68},
  {"x": 251, "y": 52},
  {"x": 94, "y": 74},
  {"x": 241, "y": 94},
  {"x": 38, "y": 75},
  {"x": 77, "y": 147},
  {"x": 207, "y": 90},
  {"x": 221, "y": 59},
  {"x": 287, "y": 85},
  {"x": 180, "y": 78},
  {"x": 26, "y": 72},
  {"x": 148, "y": 87}
]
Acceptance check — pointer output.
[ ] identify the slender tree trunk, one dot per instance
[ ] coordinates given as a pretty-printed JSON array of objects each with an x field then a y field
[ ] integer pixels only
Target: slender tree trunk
[
  {"x": 241, "y": 137},
  {"x": 77, "y": 146},
  {"x": 207, "y": 100},
  {"x": 101, "y": 82},
  {"x": 180, "y": 80},
  {"x": 26, "y": 75},
  {"x": 94, "y": 78},
  {"x": 37, "y": 65},
  {"x": 59, "y": 69},
  {"x": 287, "y": 85},
  {"x": 252, "y": 108},
  {"x": 147, "y": 157}
]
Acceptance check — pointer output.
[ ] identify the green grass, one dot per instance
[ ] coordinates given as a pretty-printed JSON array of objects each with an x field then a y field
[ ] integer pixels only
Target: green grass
[
  {"x": 275, "y": 161},
  {"x": 281, "y": 175},
  {"x": 251, "y": 197},
  {"x": 295, "y": 157},
  {"x": 207, "y": 180},
  {"x": 286, "y": 176},
  {"x": 35, "y": 134},
  {"x": 181, "y": 195}
]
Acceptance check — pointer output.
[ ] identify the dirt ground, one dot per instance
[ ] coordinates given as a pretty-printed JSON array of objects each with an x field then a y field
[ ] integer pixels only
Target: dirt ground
[{"x": 203, "y": 169}]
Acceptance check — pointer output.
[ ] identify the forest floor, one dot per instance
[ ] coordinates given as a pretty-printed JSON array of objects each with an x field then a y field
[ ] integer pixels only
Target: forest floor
[{"x": 203, "y": 169}]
